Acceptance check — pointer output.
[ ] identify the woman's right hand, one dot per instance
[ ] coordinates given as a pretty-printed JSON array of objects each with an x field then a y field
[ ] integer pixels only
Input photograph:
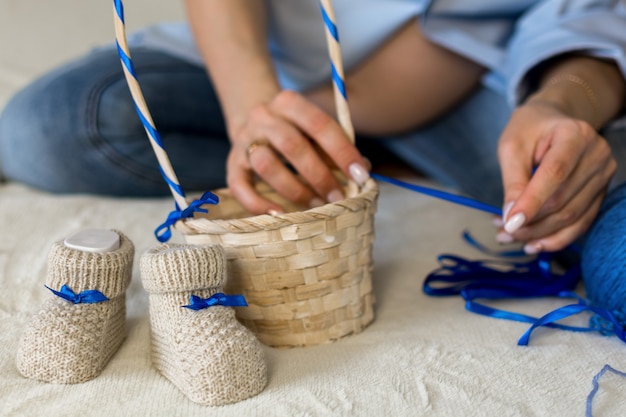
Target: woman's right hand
[{"x": 290, "y": 130}]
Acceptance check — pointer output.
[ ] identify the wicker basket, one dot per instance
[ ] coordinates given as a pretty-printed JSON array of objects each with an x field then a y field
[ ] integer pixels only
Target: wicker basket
[{"x": 307, "y": 275}]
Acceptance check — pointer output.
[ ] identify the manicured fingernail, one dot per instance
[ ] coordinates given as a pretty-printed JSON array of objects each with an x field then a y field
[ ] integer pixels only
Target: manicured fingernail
[
  {"x": 506, "y": 209},
  {"x": 316, "y": 202},
  {"x": 335, "y": 196},
  {"x": 497, "y": 221},
  {"x": 533, "y": 248},
  {"x": 503, "y": 237},
  {"x": 514, "y": 223},
  {"x": 273, "y": 212},
  {"x": 358, "y": 173}
]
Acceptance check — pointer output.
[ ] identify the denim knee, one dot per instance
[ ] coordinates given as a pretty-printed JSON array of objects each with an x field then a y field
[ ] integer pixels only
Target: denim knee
[
  {"x": 29, "y": 139},
  {"x": 50, "y": 139},
  {"x": 76, "y": 131},
  {"x": 39, "y": 128}
]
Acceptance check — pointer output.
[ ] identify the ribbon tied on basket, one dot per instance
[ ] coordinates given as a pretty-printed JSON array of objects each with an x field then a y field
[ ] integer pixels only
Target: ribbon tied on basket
[
  {"x": 163, "y": 233},
  {"x": 218, "y": 299},
  {"x": 84, "y": 297}
]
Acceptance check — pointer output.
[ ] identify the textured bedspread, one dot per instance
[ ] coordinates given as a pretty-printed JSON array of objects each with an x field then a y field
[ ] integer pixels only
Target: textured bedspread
[{"x": 422, "y": 356}]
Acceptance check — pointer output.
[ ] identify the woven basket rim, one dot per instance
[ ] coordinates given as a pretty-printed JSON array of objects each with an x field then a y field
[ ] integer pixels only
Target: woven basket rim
[{"x": 364, "y": 197}]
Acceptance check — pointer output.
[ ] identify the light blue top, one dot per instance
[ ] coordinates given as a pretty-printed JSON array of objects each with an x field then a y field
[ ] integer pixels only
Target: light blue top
[{"x": 510, "y": 37}]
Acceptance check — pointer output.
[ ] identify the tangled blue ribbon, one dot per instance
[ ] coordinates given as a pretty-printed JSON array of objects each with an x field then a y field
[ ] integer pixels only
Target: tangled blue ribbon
[
  {"x": 163, "y": 233},
  {"x": 218, "y": 299},
  {"x": 84, "y": 297},
  {"x": 496, "y": 279},
  {"x": 499, "y": 279}
]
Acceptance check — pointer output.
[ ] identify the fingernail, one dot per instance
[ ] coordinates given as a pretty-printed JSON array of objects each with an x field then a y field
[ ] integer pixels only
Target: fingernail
[
  {"x": 514, "y": 223},
  {"x": 506, "y": 209},
  {"x": 503, "y": 237},
  {"x": 497, "y": 221},
  {"x": 358, "y": 173},
  {"x": 273, "y": 212},
  {"x": 316, "y": 202},
  {"x": 335, "y": 196},
  {"x": 533, "y": 248}
]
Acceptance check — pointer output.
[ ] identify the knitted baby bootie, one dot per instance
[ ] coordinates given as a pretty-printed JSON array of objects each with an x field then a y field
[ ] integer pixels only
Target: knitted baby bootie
[
  {"x": 196, "y": 341},
  {"x": 82, "y": 324}
]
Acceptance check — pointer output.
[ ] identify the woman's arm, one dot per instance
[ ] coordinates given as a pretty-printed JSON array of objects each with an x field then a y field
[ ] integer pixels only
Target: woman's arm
[
  {"x": 232, "y": 38},
  {"x": 554, "y": 133},
  {"x": 585, "y": 88}
]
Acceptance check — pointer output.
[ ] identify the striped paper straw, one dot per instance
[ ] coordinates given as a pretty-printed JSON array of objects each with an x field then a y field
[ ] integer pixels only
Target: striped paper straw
[
  {"x": 336, "y": 65},
  {"x": 142, "y": 109}
]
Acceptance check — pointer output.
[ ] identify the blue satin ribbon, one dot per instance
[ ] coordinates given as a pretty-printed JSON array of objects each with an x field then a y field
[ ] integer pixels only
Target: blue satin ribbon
[
  {"x": 452, "y": 198},
  {"x": 163, "y": 233},
  {"x": 84, "y": 297},
  {"x": 596, "y": 386},
  {"x": 500, "y": 279},
  {"x": 610, "y": 326},
  {"x": 496, "y": 279},
  {"x": 199, "y": 303}
]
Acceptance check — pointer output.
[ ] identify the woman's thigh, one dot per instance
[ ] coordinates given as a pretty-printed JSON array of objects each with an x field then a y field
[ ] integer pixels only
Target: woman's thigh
[
  {"x": 616, "y": 137},
  {"x": 76, "y": 129},
  {"x": 460, "y": 149}
]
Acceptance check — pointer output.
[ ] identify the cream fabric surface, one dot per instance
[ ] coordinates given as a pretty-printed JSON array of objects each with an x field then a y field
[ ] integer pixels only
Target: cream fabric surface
[{"x": 421, "y": 357}]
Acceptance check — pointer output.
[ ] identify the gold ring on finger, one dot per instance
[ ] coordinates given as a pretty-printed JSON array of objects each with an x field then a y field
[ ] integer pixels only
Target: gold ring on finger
[{"x": 254, "y": 145}]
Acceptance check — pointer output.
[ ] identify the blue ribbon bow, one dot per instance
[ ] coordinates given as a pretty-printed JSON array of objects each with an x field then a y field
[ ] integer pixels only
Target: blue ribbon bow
[
  {"x": 84, "y": 297},
  {"x": 163, "y": 233},
  {"x": 199, "y": 303}
]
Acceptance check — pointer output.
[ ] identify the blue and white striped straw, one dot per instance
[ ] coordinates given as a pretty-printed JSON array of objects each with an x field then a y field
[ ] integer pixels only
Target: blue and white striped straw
[
  {"x": 336, "y": 65},
  {"x": 341, "y": 102},
  {"x": 142, "y": 109},
  {"x": 343, "y": 114}
]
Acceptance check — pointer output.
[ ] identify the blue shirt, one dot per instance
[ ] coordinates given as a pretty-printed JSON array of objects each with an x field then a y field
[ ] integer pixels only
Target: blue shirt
[{"x": 510, "y": 37}]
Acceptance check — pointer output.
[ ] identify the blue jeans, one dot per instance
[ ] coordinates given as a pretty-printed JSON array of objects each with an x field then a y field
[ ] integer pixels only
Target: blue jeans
[{"x": 75, "y": 130}]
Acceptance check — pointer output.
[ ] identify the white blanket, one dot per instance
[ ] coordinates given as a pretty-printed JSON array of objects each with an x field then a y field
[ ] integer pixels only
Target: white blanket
[{"x": 421, "y": 356}]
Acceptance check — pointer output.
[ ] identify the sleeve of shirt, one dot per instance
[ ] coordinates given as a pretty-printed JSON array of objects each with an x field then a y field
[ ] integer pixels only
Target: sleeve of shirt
[{"x": 553, "y": 27}]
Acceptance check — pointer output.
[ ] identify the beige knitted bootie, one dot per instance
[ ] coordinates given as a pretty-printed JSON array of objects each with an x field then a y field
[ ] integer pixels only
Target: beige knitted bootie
[
  {"x": 202, "y": 349},
  {"x": 82, "y": 324}
]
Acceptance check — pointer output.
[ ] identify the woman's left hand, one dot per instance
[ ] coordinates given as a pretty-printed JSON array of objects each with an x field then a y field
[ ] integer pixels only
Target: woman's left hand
[{"x": 555, "y": 171}]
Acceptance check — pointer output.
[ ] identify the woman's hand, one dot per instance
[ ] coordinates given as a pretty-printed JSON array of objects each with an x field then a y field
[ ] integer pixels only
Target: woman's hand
[
  {"x": 291, "y": 130},
  {"x": 572, "y": 164},
  {"x": 268, "y": 127},
  {"x": 555, "y": 166}
]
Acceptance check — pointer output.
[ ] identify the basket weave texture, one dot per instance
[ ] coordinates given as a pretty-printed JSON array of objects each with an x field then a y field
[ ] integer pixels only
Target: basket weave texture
[{"x": 306, "y": 275}]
